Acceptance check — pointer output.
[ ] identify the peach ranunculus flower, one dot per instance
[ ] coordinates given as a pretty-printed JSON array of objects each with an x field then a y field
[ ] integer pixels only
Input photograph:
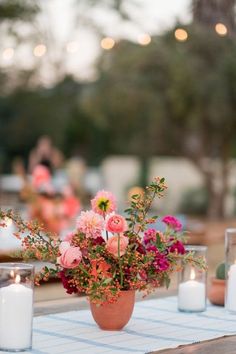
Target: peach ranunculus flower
[
  {"x": 70, "y": 256},
  {"x": 116, "y": 223},
  {"x": 112, "y": 245}
]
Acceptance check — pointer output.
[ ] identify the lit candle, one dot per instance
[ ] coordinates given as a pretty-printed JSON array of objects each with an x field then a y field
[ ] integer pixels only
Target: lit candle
[
  {"x": 231, "y": 288},
  {"x": 16, "y": 309},
  {"x": 192, "y": 295}
]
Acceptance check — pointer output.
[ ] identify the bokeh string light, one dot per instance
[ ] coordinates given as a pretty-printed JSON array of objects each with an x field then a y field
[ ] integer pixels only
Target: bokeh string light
[
  {"x": 181, "y": 34},
  {"x": 221, "y": 29},
  {"x": 40, "y": 50},
  {"x": 144, "y": 39},
  {"x": 8, "y": 54},
  {"x": 107, "y": 43}
]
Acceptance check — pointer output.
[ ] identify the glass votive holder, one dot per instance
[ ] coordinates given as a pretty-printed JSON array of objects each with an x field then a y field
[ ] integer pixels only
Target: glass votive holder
[
  {"x": 192, "y": 284},
  {"x": 16, "y": 306},
  {"x": 230, "y": 270}
]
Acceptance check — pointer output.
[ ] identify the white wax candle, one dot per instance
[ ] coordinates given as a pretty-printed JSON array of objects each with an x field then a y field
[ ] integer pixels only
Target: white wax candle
[
  {"x": 16, "y": 306},
  {"x": 192, "y": 296},
  {"x": 231, "y": 289}
]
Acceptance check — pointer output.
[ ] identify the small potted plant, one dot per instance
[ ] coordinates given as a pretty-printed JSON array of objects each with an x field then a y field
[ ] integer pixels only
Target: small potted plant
[{"x": 216, "y": 293}]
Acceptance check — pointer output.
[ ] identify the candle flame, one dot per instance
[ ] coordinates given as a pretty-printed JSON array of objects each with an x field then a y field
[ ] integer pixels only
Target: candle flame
[
  {"x": 12, "y": 274},
  {"x": 17, "y": 280},
  {"x": 192, "y": 274}
]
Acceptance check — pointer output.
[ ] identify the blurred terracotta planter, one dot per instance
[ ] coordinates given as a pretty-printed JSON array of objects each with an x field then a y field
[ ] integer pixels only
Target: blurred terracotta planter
[
  {"x": 216, "y": 293},
  {"x": 113, "y": 317}
]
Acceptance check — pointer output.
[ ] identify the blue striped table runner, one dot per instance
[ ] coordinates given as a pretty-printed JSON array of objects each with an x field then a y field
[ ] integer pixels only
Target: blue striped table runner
[{"x": 155, "y": 324}]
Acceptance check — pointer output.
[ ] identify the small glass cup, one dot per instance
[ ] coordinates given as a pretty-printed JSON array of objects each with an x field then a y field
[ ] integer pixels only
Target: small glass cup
[
  {"x": 16, "y": 306},
  {"x": 230, "y": 270},
  {"x": 192, "y": 284}
]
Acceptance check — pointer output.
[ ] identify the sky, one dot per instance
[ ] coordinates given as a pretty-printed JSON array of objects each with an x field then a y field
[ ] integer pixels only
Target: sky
[
  {"x": 153, "y": 16},
  {"x": 75, "y": 46}
]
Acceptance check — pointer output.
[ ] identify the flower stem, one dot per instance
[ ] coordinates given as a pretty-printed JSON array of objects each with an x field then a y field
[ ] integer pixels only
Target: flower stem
[
  {"x": 83, "y": 270},
  {"x": 120, "y": 263}
]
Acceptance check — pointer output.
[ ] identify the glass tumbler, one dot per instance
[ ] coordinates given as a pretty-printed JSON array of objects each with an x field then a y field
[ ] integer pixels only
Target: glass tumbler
[{"x": 192, "y": 284}]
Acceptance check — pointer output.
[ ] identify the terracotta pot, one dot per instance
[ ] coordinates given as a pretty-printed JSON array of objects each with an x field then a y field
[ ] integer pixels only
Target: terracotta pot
[
  {"x": 113, "y": 317},
  {"x": 216, "y": 293}
]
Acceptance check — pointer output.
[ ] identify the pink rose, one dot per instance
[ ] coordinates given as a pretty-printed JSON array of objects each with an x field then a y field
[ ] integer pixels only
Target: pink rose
[
  {"x": 112, "y": 245},
  {"x": 116, "y": 223},
  {"x": 70, "y": 256}
]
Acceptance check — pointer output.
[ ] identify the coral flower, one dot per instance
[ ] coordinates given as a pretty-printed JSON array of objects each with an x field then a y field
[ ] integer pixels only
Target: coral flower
[
  {"x": 90, "y": 223},
  {"x": 116, "y": 223},
  {"x": 103, "y": 203},
  {"x": 173, "y": 222},
  {"x": 112, "y": 245}
]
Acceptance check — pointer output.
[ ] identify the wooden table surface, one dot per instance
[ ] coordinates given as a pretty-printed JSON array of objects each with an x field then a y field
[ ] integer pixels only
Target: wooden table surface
[{"x": 223, "y": 345}]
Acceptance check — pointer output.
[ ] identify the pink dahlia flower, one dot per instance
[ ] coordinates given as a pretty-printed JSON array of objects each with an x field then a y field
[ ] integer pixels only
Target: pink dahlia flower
[
  {"x": 172, "y": 222},
  {"x": 112, "y": 245},
  {"x": 90, "y": 223},
  {"x": 70, "y": 256},
  {"x": 116, "y": 223},
  {"x": 103, "y": 203}
]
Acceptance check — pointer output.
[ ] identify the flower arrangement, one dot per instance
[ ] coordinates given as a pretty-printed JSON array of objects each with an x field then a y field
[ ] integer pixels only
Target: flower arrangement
[
  {"x": 108, "y": 253},
  {"x": 55, "y": 210}
]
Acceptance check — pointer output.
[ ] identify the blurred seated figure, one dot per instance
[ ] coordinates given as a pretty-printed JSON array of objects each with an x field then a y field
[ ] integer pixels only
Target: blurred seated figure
[
  {"x": 45, "y": 154},
  {"x": 55, "y": 209}
]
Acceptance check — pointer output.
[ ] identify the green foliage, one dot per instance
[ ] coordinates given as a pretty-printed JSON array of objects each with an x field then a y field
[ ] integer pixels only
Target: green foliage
[
  {"x": 26, "y": 114},
  {"x": 220, "y": 271},
  {"x": 20, "y": 10}
]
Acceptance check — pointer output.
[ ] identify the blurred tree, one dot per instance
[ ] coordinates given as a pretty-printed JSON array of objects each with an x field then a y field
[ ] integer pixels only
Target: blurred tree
[
  {"x": 173, "y": 98},
  {"x": 210, "y": 12},
  {"x": 18, "y": 10},
  {"x": 26, "y": 114}
]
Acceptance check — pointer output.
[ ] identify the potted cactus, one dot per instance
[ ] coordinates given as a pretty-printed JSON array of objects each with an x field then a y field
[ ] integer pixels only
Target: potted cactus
[{"x": 216, "y": 293}]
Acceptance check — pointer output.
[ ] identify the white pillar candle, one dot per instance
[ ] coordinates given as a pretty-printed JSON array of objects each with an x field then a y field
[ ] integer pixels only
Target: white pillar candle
[
  {"x": 192, "y": 295},
  {"x": 231, "y": 289},
  {"x": 16, "y": 310}
]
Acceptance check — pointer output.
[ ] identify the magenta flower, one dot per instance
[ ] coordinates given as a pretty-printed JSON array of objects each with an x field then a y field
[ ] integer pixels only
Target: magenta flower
[
  {"x": 90, "y": 223},
  {"x": 98, "y": 241},
  {"x": 149, "y": 236},
  {"x": 172, "y": 222},
  {"x": 103, "y": 203},
  {"x": 177, "y": 247},
  {"x": 116, "y": 223},
  {"x": 160, "y": 262}
]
